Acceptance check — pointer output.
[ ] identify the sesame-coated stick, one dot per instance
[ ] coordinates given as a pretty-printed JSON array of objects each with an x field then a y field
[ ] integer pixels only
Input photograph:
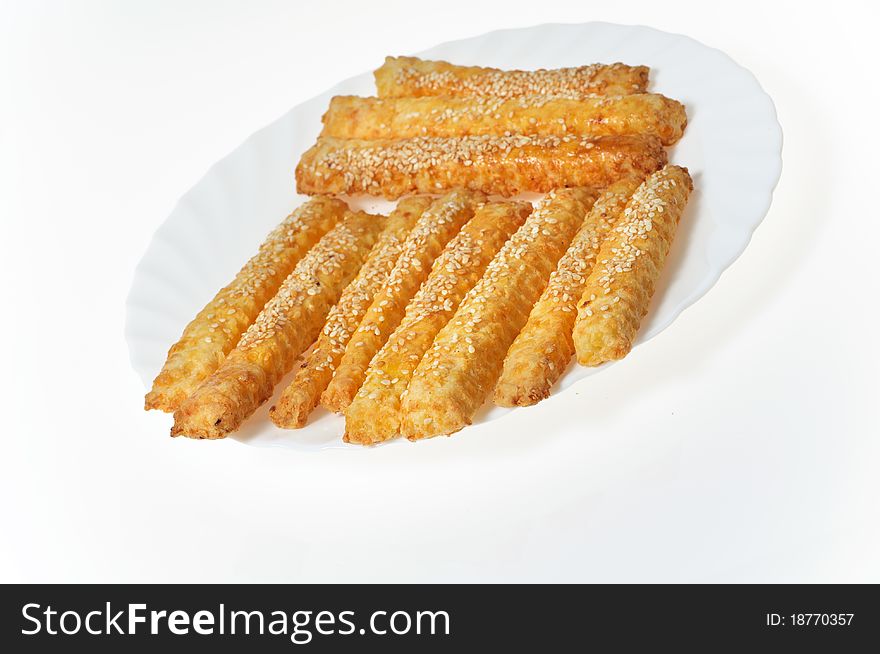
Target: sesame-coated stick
[
  {"x": 410, "y": 76},
  {"x": 374, "y": 414},
  {"x": 217, "y": 328},
  {"x": 544, "y": 347},
  {"x": 619, "y": 288},
  {"x": 436, "y": 227},
  {"x": 302, "y": 395},
  {"x": 354, "y": 117},
  {"x": 502, "y": 165},
  {"x": 286, "y": 326},
  {"x": 461, "y": 367}
]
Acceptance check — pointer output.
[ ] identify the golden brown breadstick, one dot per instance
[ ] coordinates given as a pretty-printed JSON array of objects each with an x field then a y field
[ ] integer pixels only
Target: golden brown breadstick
[
  {"x": 286, "y": 326},
  {"x": 353, "y": 117},
  {"x": 409, "y": 76},
  {"x": 426, "y": 241},
  {"x": 503, "y": 165},
  {"x": 544, "y": 347},
  {"x": 217, "y": 328},
  {"x": 619, "y": 288},
  {"x": 374, "y": 415},
  {"x": 458, "y": 371},
  {"x": 302, "y": 395}
]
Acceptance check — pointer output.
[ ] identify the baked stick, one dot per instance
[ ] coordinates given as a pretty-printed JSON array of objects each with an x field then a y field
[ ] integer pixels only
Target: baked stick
[
  {"x": 353, "y": 117},
  {"x": 217, "y": 328},
  {"x": 286, "y": 326},
  {"x": 301, "y": 397},
  {"x": 543, "y": 349},
  {"x": 374, "y": 414},
  {"x": 619, "y": 288},
  {"x": 502, "y": 165},
  {"x": 410, "y": 76},
  {"x": 436, "y": 227},
  {"x": 461, "y": 367}
]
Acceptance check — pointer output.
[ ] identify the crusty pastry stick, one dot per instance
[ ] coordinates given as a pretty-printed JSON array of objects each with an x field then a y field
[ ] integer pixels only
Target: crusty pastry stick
[
  {"x": 458, "y": 371},
  {"x": 503, "y": 165},
  {"x": 374, "y": 414},
  {"x": 286, "y": 326},
  {"x": 410, "y": 76},
  {"x": 353, "y": 117},
  {"x": 544, "y": 347},
  {"x": 619, "y": 288},
  {"x": 437, "y": 226},
  {"x": 302, "y": 395},
  {"x": 217, "y": 328}
]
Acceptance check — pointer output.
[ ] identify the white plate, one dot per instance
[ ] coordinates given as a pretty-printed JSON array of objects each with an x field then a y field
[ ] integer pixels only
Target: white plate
[{"x": 732, "y": 147}]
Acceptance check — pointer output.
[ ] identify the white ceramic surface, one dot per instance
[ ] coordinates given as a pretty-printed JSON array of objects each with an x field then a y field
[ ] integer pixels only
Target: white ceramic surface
[{"x": 732, "y": 147}]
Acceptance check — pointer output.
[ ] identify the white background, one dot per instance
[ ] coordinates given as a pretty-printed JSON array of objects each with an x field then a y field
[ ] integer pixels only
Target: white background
[{"x": 739, "y": 445}]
